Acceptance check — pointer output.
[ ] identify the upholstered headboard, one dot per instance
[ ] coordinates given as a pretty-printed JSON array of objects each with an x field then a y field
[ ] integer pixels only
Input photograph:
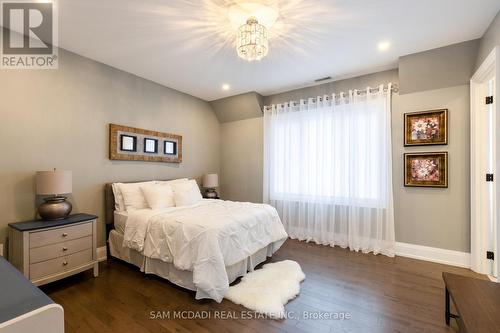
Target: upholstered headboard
[{"x": 109, "y": 203}]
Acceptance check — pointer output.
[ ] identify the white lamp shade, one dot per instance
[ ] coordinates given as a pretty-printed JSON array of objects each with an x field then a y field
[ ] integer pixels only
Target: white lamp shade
[
  {"x": 54, "y": 182},
  {"x": 211, "y": 180}
]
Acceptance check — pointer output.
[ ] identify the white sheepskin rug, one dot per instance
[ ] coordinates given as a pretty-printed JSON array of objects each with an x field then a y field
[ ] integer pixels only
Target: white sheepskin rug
[{"x": 268, "y": 289}]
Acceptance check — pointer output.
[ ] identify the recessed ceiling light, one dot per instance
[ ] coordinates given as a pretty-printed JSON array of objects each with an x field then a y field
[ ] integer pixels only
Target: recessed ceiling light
[
  {"x": 384, "y": 45},
  {"x": 226, "y": 86}
]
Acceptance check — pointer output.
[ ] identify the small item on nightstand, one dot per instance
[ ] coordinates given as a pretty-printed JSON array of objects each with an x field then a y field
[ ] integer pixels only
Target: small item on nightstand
[
  {"x": 54, "y": 183},
  {"x": 210, "y": 183}
]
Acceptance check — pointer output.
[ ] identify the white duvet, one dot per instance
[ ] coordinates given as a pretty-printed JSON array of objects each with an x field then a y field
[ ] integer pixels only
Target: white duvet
[{"x": 205, "y": 237}]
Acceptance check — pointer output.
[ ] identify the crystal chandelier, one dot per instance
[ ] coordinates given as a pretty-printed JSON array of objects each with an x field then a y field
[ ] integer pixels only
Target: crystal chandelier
[{"x": 251, "y": 42}]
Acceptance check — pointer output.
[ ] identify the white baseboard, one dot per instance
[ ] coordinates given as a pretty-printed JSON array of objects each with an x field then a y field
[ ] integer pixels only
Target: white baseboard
[
  {"x": 102, "y": 253},
  {"x": 434, "y": 254},
  {"x": 420, "y": 252},
  {"x": 492, "y": 278}
]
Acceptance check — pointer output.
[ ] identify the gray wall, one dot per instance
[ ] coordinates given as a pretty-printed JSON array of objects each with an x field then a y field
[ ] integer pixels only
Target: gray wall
[
  {"x": 490, "y": 39},
  {"x": 242, "y": 160},
  {"x": 433, "y": 216},
  {"x": 423, "y": 216},
  {"x": 59, "y": 118},
  {"x": 238, "y": 107},
  {"x": 439, "y": 68}
]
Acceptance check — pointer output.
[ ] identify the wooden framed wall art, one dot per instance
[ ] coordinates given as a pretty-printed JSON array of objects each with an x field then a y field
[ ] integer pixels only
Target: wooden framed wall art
[
  {"x": 426, "y": 169},
  {"x": 135, "y": 144},
  {"x": 426, "y": 128}
]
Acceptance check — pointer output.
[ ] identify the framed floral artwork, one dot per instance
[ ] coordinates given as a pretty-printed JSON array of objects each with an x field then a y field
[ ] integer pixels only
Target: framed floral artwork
[
  {"x": 426, "y": 128},
  {"x": 426, "y": 169}
]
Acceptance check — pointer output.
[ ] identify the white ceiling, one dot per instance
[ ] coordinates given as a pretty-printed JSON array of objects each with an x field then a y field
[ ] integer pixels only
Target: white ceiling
[{"x": 188, "y": 45}]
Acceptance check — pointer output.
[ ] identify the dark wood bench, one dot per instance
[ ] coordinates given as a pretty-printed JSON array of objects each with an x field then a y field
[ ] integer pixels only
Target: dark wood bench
[{"x": 477, "y": 303}]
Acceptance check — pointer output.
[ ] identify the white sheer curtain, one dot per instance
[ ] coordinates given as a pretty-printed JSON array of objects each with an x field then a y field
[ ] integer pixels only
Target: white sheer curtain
[{"x": 328, "y": 169}]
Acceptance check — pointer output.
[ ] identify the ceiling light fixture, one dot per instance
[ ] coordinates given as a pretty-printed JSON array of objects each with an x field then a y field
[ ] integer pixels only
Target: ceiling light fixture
[
  {"x": 225, "y": 87},
  {"x": 251, "y": 42},
  {"x": 384, "y": 46}
]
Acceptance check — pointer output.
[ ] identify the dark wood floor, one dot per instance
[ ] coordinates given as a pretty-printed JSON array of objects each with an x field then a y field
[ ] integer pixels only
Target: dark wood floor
[{"x": 381, "y": 295}]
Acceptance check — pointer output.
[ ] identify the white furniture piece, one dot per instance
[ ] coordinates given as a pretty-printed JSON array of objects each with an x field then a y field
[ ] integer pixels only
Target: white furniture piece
[
  {"x": 46, "y": 251},
  {"x": 23, "y": 307}
]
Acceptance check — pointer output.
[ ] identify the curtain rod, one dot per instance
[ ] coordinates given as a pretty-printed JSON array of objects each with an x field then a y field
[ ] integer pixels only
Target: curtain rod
[{"x": 394, "y": 89}]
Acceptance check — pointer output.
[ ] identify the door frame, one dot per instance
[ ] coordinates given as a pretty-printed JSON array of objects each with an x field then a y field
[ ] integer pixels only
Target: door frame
[{"x": 490, "y": 68}]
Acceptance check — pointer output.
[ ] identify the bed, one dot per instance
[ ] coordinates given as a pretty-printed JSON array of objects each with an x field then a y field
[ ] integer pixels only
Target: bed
[{"x": 203, "y": 246}]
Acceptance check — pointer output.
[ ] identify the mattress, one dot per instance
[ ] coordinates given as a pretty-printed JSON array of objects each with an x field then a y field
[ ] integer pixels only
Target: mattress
[{"x": 120, "y": 221}]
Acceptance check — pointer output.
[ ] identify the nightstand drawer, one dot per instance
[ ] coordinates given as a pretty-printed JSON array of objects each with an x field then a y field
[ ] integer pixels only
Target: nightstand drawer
[
  {"x": 42, "y": 238},
  {"x": 60, "y": 249},
  {"x": 60, "y": 265}
]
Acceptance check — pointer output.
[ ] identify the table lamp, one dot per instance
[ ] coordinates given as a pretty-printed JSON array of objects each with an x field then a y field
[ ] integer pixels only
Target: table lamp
[
  {"x": 211, "y": 182},
  {"x": 54, "y": 184}
]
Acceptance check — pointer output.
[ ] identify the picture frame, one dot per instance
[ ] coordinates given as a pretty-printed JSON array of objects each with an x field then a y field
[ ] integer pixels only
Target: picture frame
[
  {"x": 140, "y": 145},
  {"x": 429, "y": 169},
  {"x": 128, "y": 143},
  {"x": 424, "y": 128},
  {"x": 150, "y": 145},
  {"x": 169, "y": 147}
]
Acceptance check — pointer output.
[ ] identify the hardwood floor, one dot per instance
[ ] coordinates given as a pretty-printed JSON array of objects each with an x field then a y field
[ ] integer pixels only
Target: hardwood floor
[{"x": 381, "y": 294}]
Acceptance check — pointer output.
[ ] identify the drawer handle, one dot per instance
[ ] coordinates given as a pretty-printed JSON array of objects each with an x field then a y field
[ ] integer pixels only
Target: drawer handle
[
  {"x": 65, "y": 248},
  {"x": 64, "y": 234},
  {"x": 65, "y": 263}
]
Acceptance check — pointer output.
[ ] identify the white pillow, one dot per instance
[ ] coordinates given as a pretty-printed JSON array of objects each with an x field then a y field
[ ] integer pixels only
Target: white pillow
[
  {"x": 133, "y": 197},
  {"x": 158, "y": 196},
  {"x": 119, "y": 204},
  {"x": 186, "y": 193}
]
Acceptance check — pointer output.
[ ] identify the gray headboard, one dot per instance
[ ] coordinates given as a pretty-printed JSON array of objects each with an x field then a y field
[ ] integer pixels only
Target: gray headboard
[
  {"x": 109, "y": 198},
  {"x": 109, "y": 204}
]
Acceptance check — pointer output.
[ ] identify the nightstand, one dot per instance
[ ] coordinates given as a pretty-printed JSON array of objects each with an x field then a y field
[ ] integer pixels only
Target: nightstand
[{"x": 46, "y": 251}]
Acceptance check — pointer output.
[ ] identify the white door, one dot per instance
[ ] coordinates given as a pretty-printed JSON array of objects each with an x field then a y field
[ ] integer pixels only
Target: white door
[
  {"x": 485, "y": 131},
  {"x": 489, "y": 187}
]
